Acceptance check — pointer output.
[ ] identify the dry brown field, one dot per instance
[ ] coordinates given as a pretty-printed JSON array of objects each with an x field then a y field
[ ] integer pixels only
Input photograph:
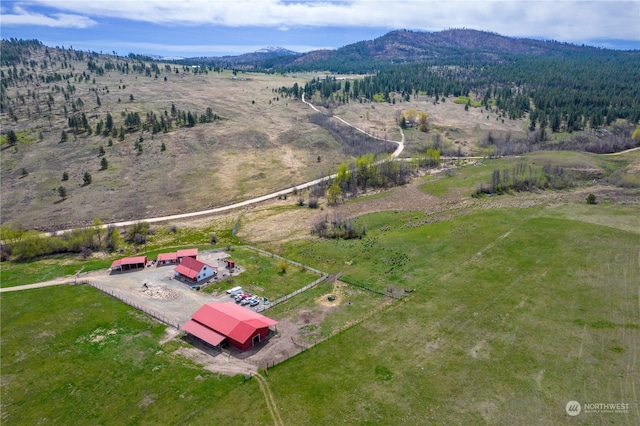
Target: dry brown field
[{"x": 262, "y": 143}]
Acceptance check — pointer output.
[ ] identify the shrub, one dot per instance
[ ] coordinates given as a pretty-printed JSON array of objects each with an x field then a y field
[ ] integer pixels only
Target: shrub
[
  {"x": 139, "y": 238},
  {"x": 5, "y": 252},
  {"x": 138, "y": 232},
  {"x": 282, "y": 267},
  {"x": 591, "y": 199},
  {"x": 337, "y": 228}
]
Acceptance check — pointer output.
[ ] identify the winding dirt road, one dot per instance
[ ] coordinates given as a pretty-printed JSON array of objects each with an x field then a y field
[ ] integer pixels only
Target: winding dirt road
[{"x": 251, "y": 201}]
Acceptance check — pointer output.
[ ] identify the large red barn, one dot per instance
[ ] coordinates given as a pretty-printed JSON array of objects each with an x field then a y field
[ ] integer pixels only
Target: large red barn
[{"x": 240, "y": 326}]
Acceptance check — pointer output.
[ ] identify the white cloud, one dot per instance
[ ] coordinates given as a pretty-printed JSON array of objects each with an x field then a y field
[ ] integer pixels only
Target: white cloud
[
  {"x": 19, "y": 16},
  {"x": 564, "y": 20}
]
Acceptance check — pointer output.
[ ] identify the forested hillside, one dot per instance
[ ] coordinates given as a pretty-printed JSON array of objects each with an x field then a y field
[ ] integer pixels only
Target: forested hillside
[
  {"x": 461, "y": 47},
  {"x": 566, "y": 94}
]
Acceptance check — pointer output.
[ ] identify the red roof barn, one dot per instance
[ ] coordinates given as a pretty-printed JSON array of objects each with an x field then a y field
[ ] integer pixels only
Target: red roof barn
[
  {"x": 195, "y": 270},
  {"x": 128, "y": 263},
  {"x": 242, "y": 327}
]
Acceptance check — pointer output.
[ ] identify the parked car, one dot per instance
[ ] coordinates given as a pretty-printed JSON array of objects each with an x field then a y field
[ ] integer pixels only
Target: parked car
[
  {"x": 254, "y": 302},
  {"x": 240, "y": 297},
  {"x": 245, "y": 301}
]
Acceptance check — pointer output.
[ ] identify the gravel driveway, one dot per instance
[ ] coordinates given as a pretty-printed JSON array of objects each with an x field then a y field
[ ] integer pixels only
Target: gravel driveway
[{"x": 163, "y": 295}]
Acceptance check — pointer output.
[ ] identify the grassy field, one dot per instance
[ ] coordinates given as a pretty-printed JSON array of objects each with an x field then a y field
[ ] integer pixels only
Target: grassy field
[
  {"x": 261, "y": 143},
  {"x": 71, "y": 355},
  {"x": 265, "y": 275},
  {"x": 583, "y": 166},
  {"x": 512, "y": 308},
  {"x": 514, "y": 312}
]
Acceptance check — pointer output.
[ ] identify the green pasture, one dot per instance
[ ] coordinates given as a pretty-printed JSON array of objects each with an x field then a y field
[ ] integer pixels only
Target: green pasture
[
  {"x": 38, "y": 270},
  {"x": 464, "y": 100},
  {"x": 72, "y": 355},
  {"x": 463, "y": 181},
  {"x": 355, "y": 305},
  {"x": 264, "y": 275},
  {"x": 514, "y": 314},
  {"x": 511, "y": 313}
]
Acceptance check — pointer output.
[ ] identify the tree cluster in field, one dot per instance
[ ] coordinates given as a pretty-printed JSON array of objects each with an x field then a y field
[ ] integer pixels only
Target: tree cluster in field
[
  {"x": 337, "y": 227},
  {"x": 413, "y": 118},
  {"x": 598, "y": 142},
  {"x": 21, "y": 244},
  {"x": 138, "y": 233},
  {"x": 525, "y": 177},
  {"x": 354, "y": 142},
  {"x": 13, "y": 50},
  {"x": 365, "y": 173}
]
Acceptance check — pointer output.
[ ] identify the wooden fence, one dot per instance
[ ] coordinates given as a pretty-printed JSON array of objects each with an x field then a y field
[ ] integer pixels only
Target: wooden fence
[
  {"x": 301, "y": 346},
  {"x": 323, "y": 276},
  {"x": 146, "y": 310},
  {"x": 389, "y": 293}
]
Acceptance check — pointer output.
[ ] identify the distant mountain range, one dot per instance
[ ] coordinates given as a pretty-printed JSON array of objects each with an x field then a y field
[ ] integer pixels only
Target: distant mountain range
[
  {"x": 246, "y": 59},
  {"x": 403, "y": 46}
]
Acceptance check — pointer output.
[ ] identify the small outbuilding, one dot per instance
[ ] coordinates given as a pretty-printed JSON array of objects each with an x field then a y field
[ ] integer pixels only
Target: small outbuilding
[
  {"x": 182, "y": 254},
  {"x": 230, "y": 264},
  {"x": 129, "y": 263},
  {"x": 194, "y": 270},
  {"x": 241, "y": 327},
  {"x": 167, "y": 259}
]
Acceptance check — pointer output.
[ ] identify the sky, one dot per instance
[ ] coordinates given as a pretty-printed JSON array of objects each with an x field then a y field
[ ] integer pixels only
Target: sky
[{"x": 189, "y": 28}]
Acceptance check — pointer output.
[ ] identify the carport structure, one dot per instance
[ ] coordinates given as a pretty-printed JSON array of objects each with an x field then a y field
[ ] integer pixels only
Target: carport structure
[{"x": 129, "y": 263}]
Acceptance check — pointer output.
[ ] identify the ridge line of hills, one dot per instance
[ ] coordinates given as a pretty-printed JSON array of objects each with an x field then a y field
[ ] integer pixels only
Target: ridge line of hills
[{"x": 405, "y": 46}]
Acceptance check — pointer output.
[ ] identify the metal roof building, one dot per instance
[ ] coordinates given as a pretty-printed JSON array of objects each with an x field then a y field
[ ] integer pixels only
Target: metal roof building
[
  {"x": 129, "y": 263},
  {"x": 241, "y": 327},
  {"x": 195, "y": 270}
]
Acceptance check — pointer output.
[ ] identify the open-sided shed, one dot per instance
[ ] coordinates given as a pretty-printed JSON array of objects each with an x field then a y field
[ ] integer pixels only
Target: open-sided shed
[
  {"x": 167, "y": 259},
  {"x": 183, "y": 254},
  {"x": 129, "y": 263}
]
